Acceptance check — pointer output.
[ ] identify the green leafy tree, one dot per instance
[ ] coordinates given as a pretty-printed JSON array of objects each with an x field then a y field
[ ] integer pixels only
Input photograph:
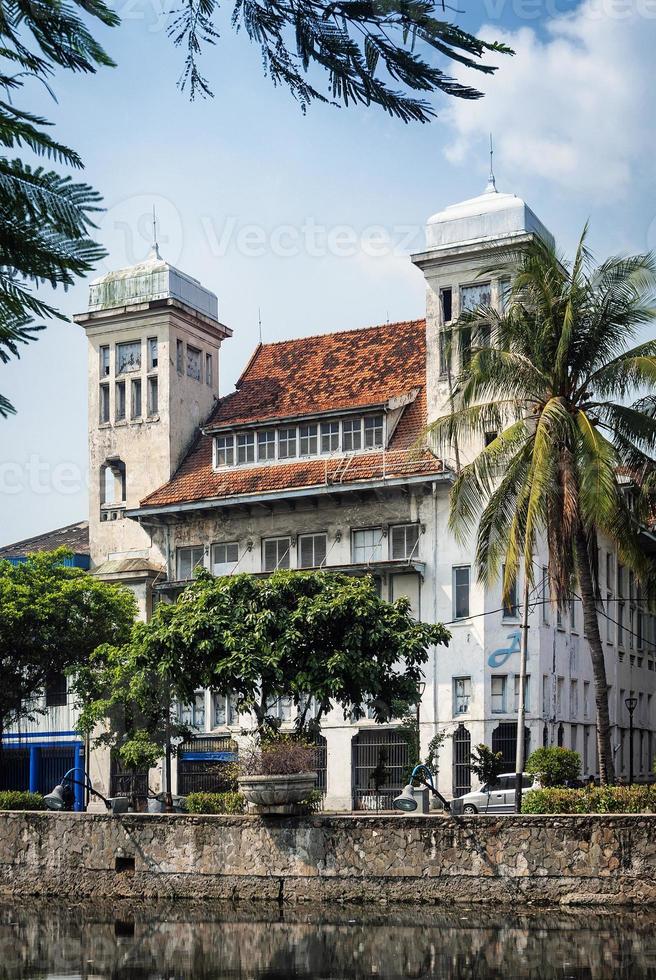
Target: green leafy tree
[
  {"x": 385, "y": 53},
  {"x": 52, "y": 618},
  {"x": 130, "y": 696},
  {"x": 554, "y": 766},
  {"x": 486, "y": 765},
  {"x": 322, "y": 639},
  {"x": 45, "y": 216},
  {"x": 553, "y": 376}
]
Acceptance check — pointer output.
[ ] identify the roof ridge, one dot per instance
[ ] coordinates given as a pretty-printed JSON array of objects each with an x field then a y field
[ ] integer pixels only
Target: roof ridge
[{"x": 339, "y": 333}]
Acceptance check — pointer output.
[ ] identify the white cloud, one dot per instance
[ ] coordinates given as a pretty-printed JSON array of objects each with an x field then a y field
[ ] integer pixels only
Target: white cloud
[{"x": 574, "y": 104}]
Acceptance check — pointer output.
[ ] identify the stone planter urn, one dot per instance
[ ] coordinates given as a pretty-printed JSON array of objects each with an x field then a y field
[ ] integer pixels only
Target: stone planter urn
[{"x": 276, "y": 794}]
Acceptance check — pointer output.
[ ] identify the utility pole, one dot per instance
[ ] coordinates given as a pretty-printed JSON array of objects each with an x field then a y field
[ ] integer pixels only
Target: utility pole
[{"x": 523, "y": 648}]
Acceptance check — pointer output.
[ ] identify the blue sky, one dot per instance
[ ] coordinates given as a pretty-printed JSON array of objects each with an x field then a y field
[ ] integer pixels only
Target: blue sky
[{"x": 275, "y": 210}]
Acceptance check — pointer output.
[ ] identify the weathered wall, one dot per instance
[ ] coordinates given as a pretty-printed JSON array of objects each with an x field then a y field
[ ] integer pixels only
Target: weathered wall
[{"x": 573, "y": 860}]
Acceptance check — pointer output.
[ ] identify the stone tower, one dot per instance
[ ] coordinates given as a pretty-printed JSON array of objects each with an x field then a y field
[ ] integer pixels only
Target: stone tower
[{"x": 154, "y": 341}]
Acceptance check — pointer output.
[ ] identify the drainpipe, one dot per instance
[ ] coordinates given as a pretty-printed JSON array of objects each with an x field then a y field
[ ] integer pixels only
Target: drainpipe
[
  {"x": 435, "y": 607},
  {"x": 523, "y": 649}
]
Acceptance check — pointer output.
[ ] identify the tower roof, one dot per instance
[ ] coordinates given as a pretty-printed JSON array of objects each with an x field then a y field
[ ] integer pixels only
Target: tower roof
[
  {"x": 152, "y": 279},
  {"x": 492, "y": 216}
]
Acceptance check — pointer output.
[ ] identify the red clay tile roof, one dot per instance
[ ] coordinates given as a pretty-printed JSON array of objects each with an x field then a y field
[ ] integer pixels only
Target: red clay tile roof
[{"x": 332, "y": 372}]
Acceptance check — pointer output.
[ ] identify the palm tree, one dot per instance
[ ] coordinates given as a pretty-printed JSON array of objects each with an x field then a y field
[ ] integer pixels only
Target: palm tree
[
  {"x": 553, "y": 375},
  {"x": 46, "y": 218}
]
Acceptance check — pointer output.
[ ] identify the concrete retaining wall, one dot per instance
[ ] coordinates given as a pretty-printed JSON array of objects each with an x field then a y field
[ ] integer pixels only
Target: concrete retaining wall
[{"x": 568, "y": 859}]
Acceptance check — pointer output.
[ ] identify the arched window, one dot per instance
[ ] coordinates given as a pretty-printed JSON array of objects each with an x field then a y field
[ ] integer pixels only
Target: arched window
[
  {"x": 504, "y": 740},
  {"x": 113, "y": 482},
  {"x": 461, "y": 760}
]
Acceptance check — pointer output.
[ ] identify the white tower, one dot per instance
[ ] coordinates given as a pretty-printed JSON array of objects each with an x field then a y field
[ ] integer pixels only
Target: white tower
[
  {"x": 463, "y": 243},
  {"x": 154, "y": 340}
]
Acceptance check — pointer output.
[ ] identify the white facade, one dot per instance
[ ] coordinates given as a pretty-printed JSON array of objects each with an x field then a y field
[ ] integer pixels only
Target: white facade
[{"x": 470, "y": 689}]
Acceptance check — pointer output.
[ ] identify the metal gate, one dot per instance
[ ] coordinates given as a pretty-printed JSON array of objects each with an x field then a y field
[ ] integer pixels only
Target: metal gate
[
  {"x": 322, "y": 765},
  {"x": 15, "y": 769},
  {"x": 55, "y": 763},
  {"x": 125, "y": 782},
  {"x": 504, "y": 740},
  {"x": 461, "y": 760},
  {"x": 203, "y": 765},
  {"x": 380, "y": 761}
]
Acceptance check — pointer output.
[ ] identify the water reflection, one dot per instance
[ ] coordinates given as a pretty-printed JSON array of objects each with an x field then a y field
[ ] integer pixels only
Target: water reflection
[{"x": 180, "y": 940}]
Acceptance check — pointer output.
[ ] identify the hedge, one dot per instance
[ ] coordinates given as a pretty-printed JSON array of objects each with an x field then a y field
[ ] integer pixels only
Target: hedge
[
  {"x": 215, "y": 803},
  {"x": 235, "y": 802},
  {"x": 598, "y": 799},
  {"x": 13, "y": 799}
]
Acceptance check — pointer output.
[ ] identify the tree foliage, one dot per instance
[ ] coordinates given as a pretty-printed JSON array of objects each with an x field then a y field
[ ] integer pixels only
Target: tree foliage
[
  {"x": 554, "y": 766},
  {"x": 486, "y": 765},
  {"x": 319, "y": 638},
  {"x": 51, "y": 619},
  {"x": 45, "y": 217},
  {"x": 554, "y": 376},
  {"x": 382, "y": 53}
]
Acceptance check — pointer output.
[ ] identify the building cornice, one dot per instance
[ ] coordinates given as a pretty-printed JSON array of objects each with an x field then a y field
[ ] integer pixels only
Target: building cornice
[{"x": 160, "y": 514}]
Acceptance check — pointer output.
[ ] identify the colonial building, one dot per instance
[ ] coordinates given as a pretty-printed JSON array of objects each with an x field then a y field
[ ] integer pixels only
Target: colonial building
[{"x": 319, "y": 459}]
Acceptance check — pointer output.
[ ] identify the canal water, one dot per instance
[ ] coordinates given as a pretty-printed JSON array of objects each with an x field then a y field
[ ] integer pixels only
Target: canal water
[{"x": 172, "y": 941}]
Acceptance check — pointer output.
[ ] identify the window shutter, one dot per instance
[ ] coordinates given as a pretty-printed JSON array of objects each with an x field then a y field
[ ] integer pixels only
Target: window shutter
[
  {"x": 398, "y": 543},
  {"x": 307, "y": 552},
  {"x": 319, "y": 549}
]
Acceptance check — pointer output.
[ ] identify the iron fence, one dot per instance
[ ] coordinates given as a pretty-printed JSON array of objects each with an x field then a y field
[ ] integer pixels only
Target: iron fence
[
  {"x": 205, "y": 765},
  {"x": 381, "y": 760},
  {"x": 504, "y": 740},
  {"x": 461, "y": 760},
  {"x": 15, "y": 769}
]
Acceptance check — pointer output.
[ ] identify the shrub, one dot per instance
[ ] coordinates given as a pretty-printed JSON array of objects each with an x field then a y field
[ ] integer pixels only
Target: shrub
[
  {"x": 283, "y": 755},
  {"x": 554, "y": 766},
  {"x": 312, "y": 803},
  {"x": 215, "y": 803},
  {"x": 20, "y": 800},
  {"x": 595, "y": 799}
]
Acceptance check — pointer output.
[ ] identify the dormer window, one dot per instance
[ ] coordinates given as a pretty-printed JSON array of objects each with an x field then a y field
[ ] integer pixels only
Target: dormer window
[
  {"x": 361, "y": 433},
  {"x": 351, "y": 435},
  {"x": 373, "y": 431},
  {"x": 246, "y": 447},
  {"x": 308, "y": 440},
  {"x": 266, "y": 444},
  {"x": 225, "y": 450},
  {"x": 287, "y": 443},
  {"x": 329, "y": 437}
]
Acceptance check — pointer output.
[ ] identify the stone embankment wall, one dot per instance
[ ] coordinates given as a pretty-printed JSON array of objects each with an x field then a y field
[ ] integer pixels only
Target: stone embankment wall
[{"x": 546, "y": 859}]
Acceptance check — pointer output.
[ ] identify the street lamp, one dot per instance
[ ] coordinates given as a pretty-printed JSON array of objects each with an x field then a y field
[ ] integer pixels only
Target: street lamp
[
  {"x": 61, "y": 797},
  {"x": 406, "y": 801},
  {"x": 631, "y": 705}
]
